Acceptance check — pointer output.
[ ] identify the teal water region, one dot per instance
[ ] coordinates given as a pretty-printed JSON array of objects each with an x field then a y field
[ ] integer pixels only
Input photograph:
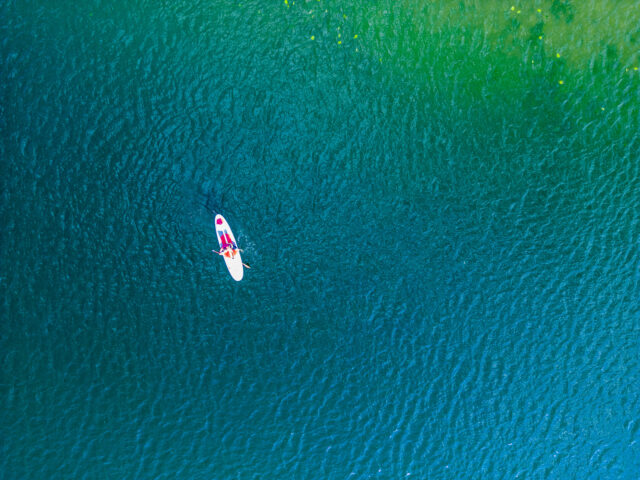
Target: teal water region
[{"x": 439, "y": 202}]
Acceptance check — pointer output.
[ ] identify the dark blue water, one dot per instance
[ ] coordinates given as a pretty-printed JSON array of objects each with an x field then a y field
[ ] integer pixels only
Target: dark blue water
[{"x": 441, "y": 211}]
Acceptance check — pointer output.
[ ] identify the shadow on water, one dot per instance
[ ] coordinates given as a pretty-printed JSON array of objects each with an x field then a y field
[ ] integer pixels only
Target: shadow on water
[{"x": 212, "y": 201}]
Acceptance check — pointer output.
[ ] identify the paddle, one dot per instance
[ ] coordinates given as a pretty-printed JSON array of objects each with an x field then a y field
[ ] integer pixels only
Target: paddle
[{"x": 222, "y": 255}]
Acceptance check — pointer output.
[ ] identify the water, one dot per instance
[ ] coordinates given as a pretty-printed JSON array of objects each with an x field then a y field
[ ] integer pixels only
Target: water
[{"x": 440, "y": 210}]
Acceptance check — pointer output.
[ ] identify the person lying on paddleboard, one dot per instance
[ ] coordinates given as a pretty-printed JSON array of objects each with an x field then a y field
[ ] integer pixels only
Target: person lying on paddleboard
[{"x": 229, "y": 250}]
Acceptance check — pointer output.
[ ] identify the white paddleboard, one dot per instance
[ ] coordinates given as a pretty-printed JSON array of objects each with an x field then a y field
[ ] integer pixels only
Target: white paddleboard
[{"x": 225, "y": 236}]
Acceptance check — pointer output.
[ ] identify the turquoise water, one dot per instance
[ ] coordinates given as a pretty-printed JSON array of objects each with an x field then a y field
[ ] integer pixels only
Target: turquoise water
[{"x": 441, "y": 211}]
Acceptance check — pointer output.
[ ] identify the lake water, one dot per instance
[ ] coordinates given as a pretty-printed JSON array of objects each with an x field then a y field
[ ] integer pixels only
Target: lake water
[{"x": 439, "y": 201}]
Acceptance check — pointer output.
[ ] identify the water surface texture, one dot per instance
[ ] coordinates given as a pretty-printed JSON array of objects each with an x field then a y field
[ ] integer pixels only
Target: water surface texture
[{"x": 440, "y": 202}]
